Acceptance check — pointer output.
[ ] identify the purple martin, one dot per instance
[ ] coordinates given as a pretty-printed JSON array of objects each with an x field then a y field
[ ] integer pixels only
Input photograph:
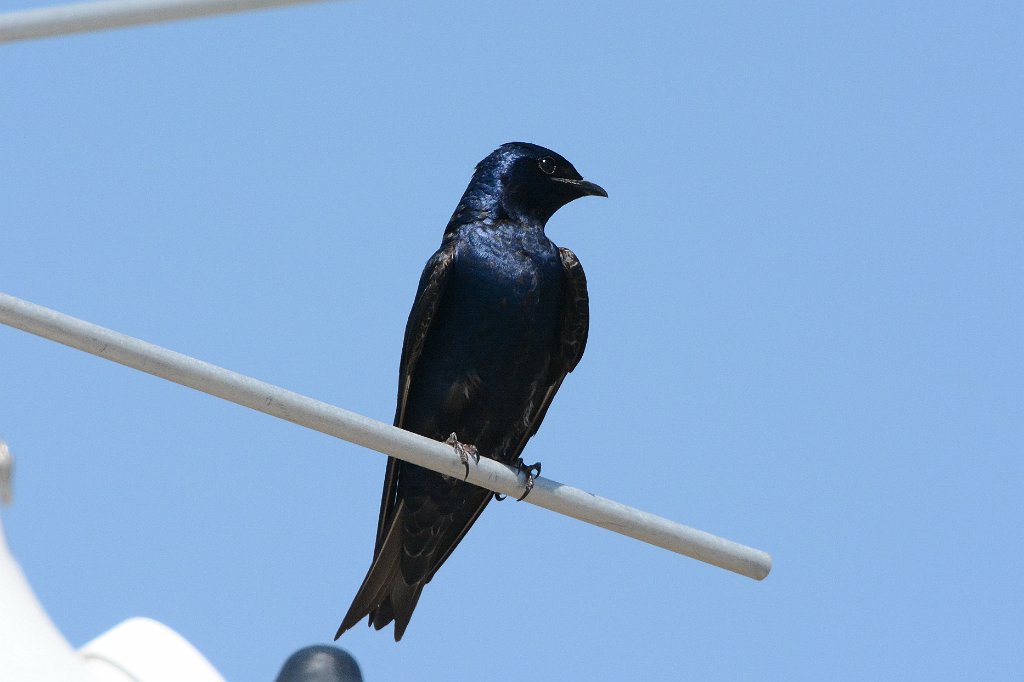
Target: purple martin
[{"x": 500, "y": 317}]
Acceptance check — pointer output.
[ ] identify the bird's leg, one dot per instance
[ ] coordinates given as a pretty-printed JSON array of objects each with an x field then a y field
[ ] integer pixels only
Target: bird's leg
[
  {"x": 531, "y": 472},
  {"x": 464, "y": 451}
]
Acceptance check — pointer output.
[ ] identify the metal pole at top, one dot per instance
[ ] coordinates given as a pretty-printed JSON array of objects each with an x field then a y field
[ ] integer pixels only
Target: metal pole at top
[
  {"x": 405, "y": 445},
  {"x": 96, "y": 16}
]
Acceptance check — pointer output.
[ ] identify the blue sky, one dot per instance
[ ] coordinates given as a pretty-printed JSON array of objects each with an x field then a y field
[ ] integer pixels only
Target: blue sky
[{"x": 806, "y": 328}]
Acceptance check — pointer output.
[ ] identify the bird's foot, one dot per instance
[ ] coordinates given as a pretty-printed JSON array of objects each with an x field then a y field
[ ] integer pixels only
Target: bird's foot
[
  {"x": 464, "y": 451},
  {"x": 532, "y": 472}
]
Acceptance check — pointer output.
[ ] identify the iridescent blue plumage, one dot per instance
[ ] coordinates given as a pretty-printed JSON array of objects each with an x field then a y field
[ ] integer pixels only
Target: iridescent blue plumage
[{"x": 499, "y": 319}]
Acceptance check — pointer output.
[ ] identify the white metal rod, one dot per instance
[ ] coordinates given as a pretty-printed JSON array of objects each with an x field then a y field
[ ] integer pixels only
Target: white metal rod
[
  {"x": 313, "y": 414},
  {"x": 96, "y": 16}
]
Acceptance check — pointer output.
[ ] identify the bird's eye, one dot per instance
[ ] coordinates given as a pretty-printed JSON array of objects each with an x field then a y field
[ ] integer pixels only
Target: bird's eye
[{"x": 547, "y": 164}]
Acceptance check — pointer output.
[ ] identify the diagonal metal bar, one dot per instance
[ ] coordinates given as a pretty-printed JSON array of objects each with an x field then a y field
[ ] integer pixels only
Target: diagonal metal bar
[
  {"x": 81, "y": 17},
  {"x": 334, "y": 421}
]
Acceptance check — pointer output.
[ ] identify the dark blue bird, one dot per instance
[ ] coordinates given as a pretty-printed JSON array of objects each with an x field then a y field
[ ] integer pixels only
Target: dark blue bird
[{"x": 500, "y": 317}]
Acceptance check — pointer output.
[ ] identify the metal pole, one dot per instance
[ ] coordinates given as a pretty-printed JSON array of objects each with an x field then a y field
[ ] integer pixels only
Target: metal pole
[
  {"x": 6, "y": 474},
  {"x": 334, "y": 421},
  {"x": 96, "y": 16}
]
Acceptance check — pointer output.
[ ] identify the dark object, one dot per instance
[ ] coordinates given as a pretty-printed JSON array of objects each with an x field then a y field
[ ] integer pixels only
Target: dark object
[
  {"x": 320, "y": 663},
  {"x": 500, "y": 317}
]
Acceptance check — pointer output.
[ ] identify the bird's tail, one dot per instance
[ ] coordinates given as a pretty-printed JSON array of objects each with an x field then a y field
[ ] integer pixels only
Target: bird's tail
[{"x": 385, "y": 595}]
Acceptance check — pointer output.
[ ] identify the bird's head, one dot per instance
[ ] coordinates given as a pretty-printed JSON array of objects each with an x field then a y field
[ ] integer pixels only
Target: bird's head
[{"x": 525, "y": 182}]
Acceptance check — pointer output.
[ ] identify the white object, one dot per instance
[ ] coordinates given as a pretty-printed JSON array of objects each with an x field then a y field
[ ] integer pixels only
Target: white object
[
  {"x": 144, "y": 650},
  {"x": 95, "y": 16},
  {"x": 137, "y": 650},
  {"x": 31, "y": 647},
  {"x": 334, "y": 421}
]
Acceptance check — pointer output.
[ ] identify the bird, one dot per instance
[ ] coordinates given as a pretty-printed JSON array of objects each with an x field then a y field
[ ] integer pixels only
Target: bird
[{"x": 500, "y": 317}]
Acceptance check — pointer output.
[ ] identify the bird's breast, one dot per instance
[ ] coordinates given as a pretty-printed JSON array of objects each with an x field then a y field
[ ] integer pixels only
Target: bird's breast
[
  {"x": 508, "y": 268},
  {"x": 491, "y": 342}
]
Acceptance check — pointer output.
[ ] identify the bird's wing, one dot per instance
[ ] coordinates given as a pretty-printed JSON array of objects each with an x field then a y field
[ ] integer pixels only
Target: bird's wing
[
  {"x": 431, "y": 287},
  {"x": 576, "y": 315},
  {"x": 572, "y": 340}
]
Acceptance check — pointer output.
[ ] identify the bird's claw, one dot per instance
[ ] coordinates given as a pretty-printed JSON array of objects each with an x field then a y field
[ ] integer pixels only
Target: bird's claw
[
  {"x": 532, "y": 472},
  {"x": 464, "y": 451}
]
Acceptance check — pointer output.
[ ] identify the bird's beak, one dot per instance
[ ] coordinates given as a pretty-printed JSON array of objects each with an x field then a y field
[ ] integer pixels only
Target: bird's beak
[{"x": 584, "y": 187}]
